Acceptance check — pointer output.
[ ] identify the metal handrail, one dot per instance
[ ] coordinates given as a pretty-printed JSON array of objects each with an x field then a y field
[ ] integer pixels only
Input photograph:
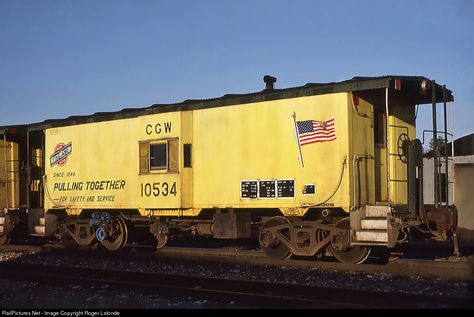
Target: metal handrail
[
  {"x": 398, "y": 126},
  {"x": 437, "y": 131}
]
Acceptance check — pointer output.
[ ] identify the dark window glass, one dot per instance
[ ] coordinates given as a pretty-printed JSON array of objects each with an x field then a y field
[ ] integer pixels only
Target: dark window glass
[
  {"x": 159, "y": 156},
  {"x": 379, "y": 128},
  {"x": 187, "y": 155}
]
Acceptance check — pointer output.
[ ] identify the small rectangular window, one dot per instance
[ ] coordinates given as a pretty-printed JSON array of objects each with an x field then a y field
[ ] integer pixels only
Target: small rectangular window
[
  {"x": 379, "y": 128},
  {"x": 158, "y": 156},
  {"x": 187, "y": 155}
]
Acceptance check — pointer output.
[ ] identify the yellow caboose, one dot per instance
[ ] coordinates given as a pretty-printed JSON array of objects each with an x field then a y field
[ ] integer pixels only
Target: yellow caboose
[{"x": 323, "y": 166}]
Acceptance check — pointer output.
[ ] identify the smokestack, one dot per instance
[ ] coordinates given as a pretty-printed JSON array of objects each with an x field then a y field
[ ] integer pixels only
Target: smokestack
[{"x": 269, "y": 81}]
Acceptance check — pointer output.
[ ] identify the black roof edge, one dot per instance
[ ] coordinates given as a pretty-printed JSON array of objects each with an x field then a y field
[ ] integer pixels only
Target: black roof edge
[
  {"x": 13, "y": 128},
  {"x": 309, "y": 89}
]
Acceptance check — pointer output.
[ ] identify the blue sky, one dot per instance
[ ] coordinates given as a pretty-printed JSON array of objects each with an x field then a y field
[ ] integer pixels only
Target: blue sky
[{"x": 61, "y": 58}]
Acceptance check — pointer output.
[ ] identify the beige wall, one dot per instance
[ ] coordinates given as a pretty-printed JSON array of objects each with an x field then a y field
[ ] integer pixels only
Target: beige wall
[{"x": 463, "y": 194}]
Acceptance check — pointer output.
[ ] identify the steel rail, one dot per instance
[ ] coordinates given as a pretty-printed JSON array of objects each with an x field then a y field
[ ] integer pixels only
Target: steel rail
[
  {"x": 244, "y": 292},
  {"x": 447, "y": 270}
]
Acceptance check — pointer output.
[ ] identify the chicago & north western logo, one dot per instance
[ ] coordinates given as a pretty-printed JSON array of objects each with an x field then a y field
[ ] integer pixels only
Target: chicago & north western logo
[{"x": 61, "y": 152}]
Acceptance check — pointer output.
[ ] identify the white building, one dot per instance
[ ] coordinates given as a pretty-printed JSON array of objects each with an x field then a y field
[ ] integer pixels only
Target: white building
[{"x": 461, "y": 179}]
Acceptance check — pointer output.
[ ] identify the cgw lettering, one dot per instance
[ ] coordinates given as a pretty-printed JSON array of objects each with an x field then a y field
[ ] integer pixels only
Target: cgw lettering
[{"x": 158, "y": 128}]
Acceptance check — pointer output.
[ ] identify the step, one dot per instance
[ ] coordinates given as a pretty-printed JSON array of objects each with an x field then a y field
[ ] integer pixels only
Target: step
[
  {"x": 42, "y": 221},
  {"x": 40, "y": 230},
  {"x": 1, "y": 228},
  {"x": 374, "y": 223},
  {"x": 369, "y": 243},
  {"x": 2, "y": 220},
  {"x": 376, "y": 211},
  {"x": 372, "y": 235}
]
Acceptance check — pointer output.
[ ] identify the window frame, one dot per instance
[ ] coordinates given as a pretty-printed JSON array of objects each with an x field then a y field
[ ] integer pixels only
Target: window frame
[
  {"x": 167, "y": 169},
  {"x": 158, "y": 168}
]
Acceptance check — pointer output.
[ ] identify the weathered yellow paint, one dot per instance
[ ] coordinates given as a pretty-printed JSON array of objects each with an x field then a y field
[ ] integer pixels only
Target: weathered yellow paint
[
  {"x": 108, "y": 151},
  {"x": 186, "y": 173},
  {"x": 361, "y": 156},
  {"x": 257, "y": 142},
  {"x": 254, "y": 141},
  {"x": 9, "y": 175},
  {"x": 401, "y": 120}
]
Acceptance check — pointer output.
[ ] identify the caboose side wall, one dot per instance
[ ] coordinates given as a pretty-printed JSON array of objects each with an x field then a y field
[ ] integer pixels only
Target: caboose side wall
[
  {"x": 102, "y": 168},
  {"x": 257, "y": 141},
  {"x": 361, "y": 161},
  {"x": 254, "y": 141},
  {"x": 229, "y": 144}
]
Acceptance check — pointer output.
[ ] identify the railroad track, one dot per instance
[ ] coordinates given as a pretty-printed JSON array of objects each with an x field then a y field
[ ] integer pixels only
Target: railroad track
[
  {"x": 243, "y": 293},
  {"x": 447, "y": 270}
]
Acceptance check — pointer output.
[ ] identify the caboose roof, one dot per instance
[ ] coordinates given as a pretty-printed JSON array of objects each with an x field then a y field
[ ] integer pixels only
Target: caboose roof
[{"x": 371, "y": 89}]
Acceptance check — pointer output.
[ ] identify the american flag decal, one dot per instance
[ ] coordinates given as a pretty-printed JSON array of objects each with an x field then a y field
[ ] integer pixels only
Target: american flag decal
[{"x": 311, "y": 131}]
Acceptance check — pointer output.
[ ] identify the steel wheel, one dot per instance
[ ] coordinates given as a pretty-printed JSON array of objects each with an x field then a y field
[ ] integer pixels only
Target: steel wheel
[
  {"x": 66, "y": 238},
  {"x": 5, "y": 239},
  {"x": 355, "y": 254},
  {"x": 118, "y": 235},
  {"x": 161, "y": 240},
  {"x": 273, "y": 247},
  {"x": 9, "y": 223}
]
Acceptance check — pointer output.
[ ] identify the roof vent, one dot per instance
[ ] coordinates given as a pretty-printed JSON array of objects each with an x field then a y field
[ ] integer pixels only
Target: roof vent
[{"x": 269, "y": 81}]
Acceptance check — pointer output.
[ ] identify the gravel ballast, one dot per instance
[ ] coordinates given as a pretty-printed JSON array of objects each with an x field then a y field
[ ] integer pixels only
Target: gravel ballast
[{"x": 27, "y": 294}]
